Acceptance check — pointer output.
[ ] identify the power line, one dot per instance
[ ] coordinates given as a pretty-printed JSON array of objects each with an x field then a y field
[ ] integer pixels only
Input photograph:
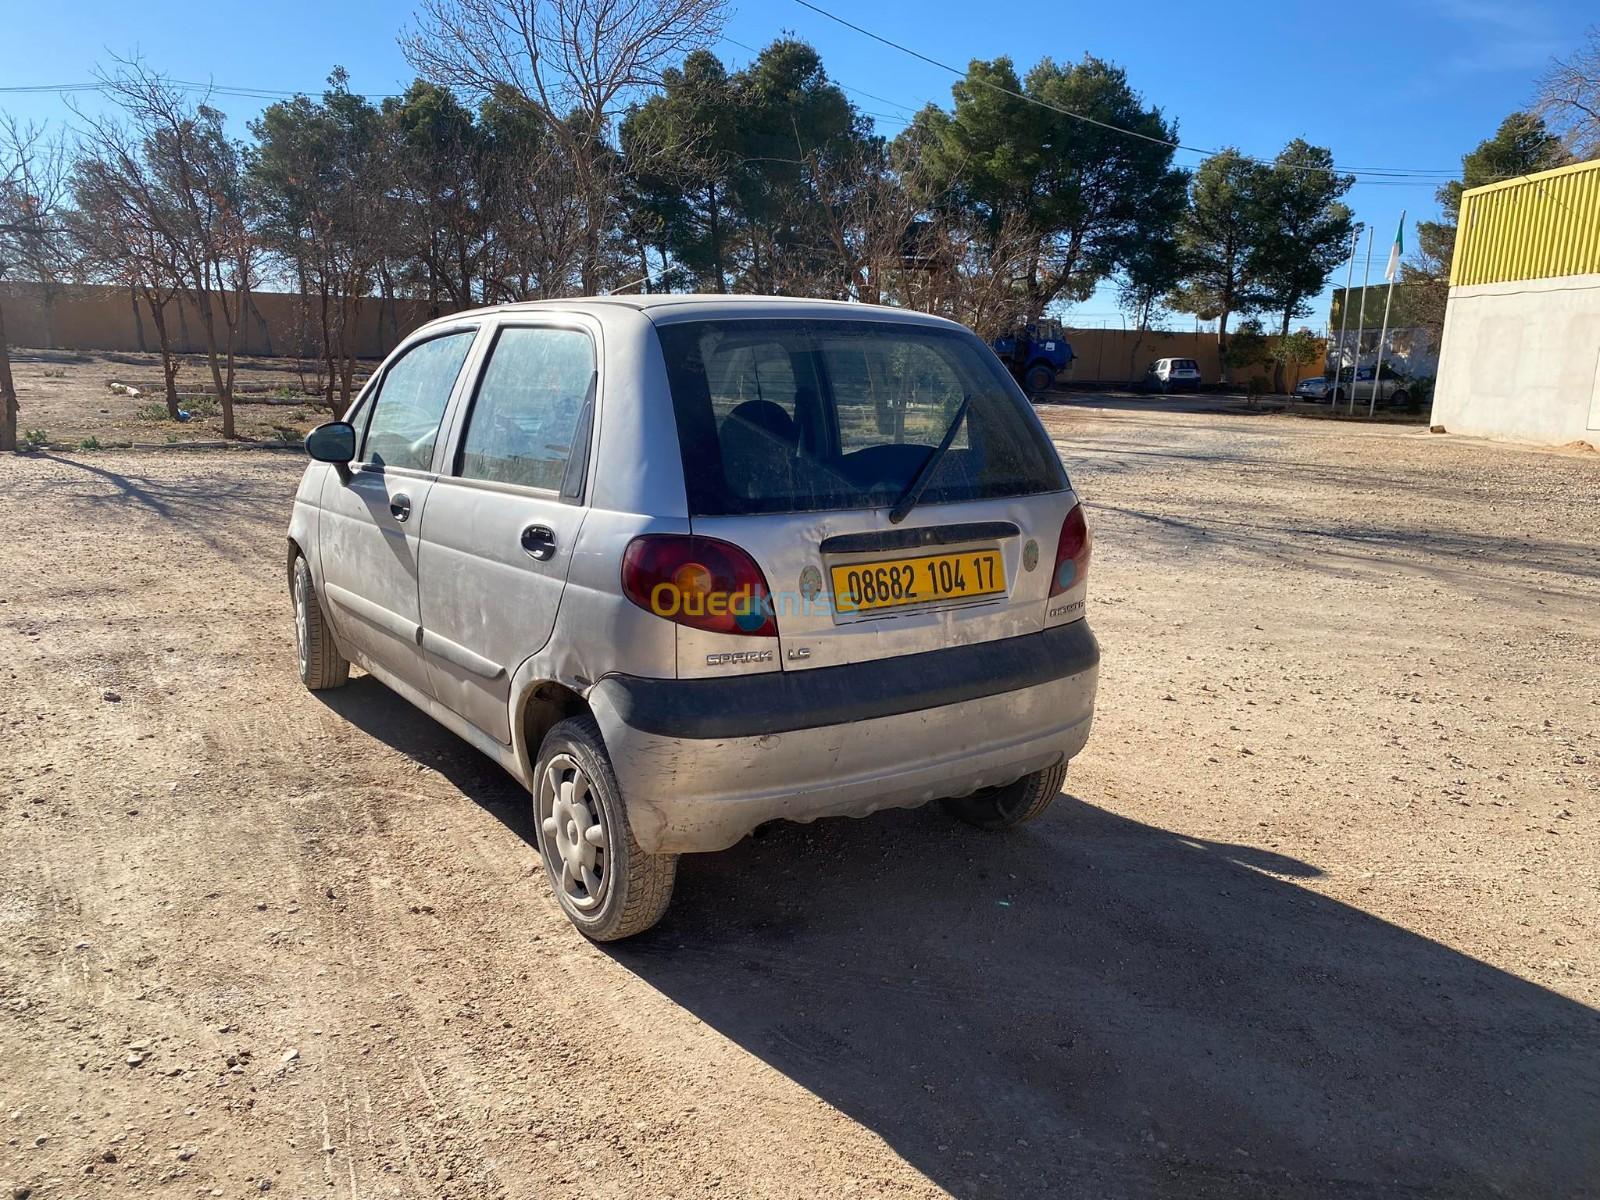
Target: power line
[
  {"x": 1106, "y": 125},
  {"x": 1383, "y": 176},
  {"x": 847, "y": 87},
  {"x": 182, "y": 85}
]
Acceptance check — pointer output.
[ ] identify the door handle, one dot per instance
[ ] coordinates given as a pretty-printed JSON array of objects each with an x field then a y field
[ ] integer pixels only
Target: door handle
[
  {"x": 400, "y": 506},
  {"x": 540, "y": 542}
]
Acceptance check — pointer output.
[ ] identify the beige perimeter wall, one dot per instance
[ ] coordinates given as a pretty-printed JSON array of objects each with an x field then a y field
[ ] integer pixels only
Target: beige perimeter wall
[
  {"x": 92, "y": 317},
  {"x": 1118, "y": 356}
]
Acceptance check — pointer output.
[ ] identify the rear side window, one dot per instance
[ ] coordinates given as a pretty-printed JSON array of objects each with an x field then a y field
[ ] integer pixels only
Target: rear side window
[
  {"x": 411, "y": 400},
  {"x": 804, "y": 416},
  {"x": 528, "y": 407}
]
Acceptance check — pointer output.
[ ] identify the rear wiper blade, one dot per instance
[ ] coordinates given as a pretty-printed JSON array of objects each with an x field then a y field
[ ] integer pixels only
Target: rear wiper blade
[{"x": 912, "y": 494}]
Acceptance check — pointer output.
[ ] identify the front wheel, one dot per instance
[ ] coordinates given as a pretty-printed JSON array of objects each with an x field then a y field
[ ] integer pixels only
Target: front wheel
[
  {"x": 1039, "y": 379},
  {"x": 1401, "y": 399},
  {"x": 608, "y": 887},
  {"x": 321, "y": 664},
  {"x": 1014, "y": 804}
]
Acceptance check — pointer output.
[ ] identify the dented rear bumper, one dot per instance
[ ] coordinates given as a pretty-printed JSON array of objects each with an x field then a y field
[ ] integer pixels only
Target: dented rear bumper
[{"x": 703, "y": 762}]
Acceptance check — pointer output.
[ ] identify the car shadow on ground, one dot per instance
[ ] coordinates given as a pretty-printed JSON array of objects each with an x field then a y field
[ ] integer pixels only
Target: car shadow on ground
[
  {"x": 1099, "y": 1007},
  {"x": 1092, "y": 1006}
]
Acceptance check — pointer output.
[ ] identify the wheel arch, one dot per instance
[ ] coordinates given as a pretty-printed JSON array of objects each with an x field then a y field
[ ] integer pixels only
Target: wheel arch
[
  {"x": 295, "y": 551},
  {"x": 539, "y": 706}
]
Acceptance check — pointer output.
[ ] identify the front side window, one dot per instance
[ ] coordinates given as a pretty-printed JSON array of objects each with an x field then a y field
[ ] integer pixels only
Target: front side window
[
  {"x": 528, "y": 407},
  {"x": 412, "y": 399},
  {"x": 806, "y": 416}
]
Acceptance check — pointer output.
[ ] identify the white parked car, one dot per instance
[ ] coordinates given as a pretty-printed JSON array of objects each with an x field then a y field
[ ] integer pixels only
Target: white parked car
[
  {"x": 685, "y": 565},
  {"x": 1172, "y": 375}
]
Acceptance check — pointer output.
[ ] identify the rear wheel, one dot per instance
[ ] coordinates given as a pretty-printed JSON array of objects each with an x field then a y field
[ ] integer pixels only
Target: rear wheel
[
  {"x": 1039, "y": 378},
  {"x": 1012, "y": 805},
  {"x": 1401, "y": 399},
  {"x": 321, "y": 664},
  {"x": 608, "y": 887}
]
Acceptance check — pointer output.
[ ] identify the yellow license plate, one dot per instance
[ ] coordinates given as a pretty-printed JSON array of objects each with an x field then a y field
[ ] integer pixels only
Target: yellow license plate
[{"x": 893, "y": 582}]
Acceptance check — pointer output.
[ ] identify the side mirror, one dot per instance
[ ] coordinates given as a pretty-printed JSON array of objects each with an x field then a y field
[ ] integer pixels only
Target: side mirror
[{"x": 333, "y": 443}]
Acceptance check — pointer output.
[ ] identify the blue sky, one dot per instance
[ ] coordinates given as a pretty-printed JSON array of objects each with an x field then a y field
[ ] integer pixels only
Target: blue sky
[{"x": 1411, "y": 85}]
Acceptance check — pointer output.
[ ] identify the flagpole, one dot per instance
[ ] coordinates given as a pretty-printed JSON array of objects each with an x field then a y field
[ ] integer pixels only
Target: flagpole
[
  {"x": 1361, "y": 324},
  {"x": 1394, "y": 273},
  {"x": 1344, "y": 315}
]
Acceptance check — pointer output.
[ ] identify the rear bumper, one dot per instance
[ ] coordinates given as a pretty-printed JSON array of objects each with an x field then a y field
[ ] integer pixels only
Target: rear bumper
[{"x": 703, "y": 762}]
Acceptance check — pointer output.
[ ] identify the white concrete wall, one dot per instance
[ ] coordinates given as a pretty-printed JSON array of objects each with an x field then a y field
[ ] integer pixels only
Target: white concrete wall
[{"x": 1522, "y": 361}]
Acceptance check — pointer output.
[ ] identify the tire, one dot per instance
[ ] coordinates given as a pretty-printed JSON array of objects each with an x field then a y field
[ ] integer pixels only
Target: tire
[
  {"x": 1039, "y": 378},
  {"x": 1014, "y": 804},
  {"x": 321, "y": 664},
  {"x": 1401, "y": 399},
  {"x": 606, "y": 885},
  {"x": 1338, "y": 398}
]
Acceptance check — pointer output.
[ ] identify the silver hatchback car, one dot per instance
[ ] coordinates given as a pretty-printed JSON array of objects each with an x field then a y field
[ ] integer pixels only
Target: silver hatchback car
[{"x": 687, "y": 564}]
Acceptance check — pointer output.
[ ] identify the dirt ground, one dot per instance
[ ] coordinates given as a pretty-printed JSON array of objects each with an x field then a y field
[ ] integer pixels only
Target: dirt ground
[
  {"x": 1316, "y": 919},
  {"x": 66, "y": 395}
]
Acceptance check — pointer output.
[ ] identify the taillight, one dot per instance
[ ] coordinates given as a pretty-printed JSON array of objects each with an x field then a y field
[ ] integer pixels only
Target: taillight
[
  {"x": 699, "y": 582},
  {"x": 1072, "y": 552}
]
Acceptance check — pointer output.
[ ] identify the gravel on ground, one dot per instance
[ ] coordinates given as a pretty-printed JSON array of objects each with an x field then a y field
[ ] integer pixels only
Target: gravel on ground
[{"x": 1316, "y": 917}]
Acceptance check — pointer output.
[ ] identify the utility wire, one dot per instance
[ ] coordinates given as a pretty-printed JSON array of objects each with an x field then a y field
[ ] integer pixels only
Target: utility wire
[
  {"x": 184, "y": 85},
  {"x": 1381, "y": 176},
  {"x": 847, "y": 87},
  {"x": 1382, "y": 182},
  {"x": 1133, "y": 133}
]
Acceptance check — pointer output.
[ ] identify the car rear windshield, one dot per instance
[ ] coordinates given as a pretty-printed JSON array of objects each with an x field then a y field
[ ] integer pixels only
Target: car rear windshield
[
  {"x": 1184, "y": 364},
  {"x": 806, "y": 416}
]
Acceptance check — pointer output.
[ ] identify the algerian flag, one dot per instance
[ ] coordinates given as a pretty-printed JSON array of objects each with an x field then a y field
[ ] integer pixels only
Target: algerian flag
[{"x": 1396, "y": 250}]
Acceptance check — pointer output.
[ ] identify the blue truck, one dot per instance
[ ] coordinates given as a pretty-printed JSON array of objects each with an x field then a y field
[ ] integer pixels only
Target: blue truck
[{"x": 1036, "y": 354}]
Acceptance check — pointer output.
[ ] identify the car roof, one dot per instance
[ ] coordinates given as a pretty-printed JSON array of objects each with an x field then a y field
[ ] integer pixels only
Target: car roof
[{"x": 664, "y": 307}]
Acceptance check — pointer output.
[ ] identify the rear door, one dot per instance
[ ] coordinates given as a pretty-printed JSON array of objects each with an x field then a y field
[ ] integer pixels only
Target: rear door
[
  {"x": 827, "y": 426},
  {"x": 368, "y": 531},
  {"x": 504, "y": 515}
]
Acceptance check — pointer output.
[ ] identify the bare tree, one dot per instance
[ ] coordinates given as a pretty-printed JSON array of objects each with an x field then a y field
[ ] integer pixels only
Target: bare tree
[
  {"x": 576, "y": 62},
  {"x": 1569, "y": 97},
  {"x": 536, "y": 224},
  {"x": 34, "y": 244},
  {"x": 955, "y": 266},
  {"x": 195, "y": 195},
  {"x": 121, "y": 243}
]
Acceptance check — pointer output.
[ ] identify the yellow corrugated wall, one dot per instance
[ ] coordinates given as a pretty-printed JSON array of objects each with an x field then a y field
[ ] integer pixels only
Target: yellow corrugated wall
[{"x": 1533, "y": 227}]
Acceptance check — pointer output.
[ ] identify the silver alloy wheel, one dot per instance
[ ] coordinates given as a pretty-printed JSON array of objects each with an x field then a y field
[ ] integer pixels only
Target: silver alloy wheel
[
  {"x": 302, "y": 619},
  {"x": 576, "y": 840}
]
